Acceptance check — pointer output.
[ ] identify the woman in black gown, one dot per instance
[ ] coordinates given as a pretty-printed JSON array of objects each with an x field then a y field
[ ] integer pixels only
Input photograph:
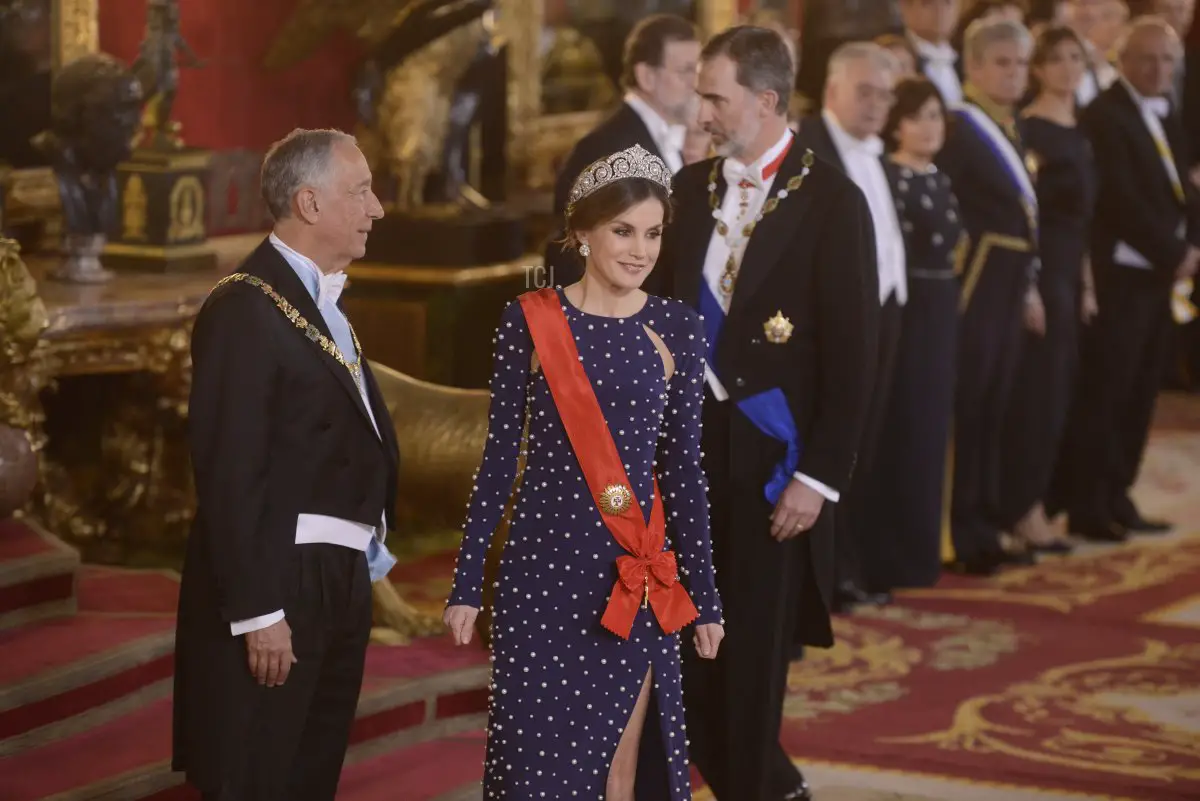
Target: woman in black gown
[
  {"x": 1064, "y": 178},
  {"x": 907, "y": 493}
]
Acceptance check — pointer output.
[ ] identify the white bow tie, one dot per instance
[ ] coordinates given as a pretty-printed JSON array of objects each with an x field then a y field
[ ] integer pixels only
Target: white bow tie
[
  {"x": 330, "y": 287},
  {"x": 872, "y": 146},
  {"x": 735, "y": 173},
  {"x": 1160, "y": 106},
  {"x": 938, "y": 54}
]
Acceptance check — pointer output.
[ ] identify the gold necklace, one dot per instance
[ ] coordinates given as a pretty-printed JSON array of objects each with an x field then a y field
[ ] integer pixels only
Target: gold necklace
[
  {"x": 310, "y": 330},
  {"x": 729, "y": 275}
]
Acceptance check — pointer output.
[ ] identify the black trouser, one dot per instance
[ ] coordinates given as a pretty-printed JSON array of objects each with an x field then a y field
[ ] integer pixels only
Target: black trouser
[
  {"x": 1124, "y": 352},
  {"x": 735, "y": 703},
  {"x": 300, "y": 731},
  {"x": 850, "y": 513}
]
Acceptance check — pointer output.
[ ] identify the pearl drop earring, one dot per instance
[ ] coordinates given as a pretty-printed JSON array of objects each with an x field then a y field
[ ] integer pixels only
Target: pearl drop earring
[{"x": 584, "y": 250}]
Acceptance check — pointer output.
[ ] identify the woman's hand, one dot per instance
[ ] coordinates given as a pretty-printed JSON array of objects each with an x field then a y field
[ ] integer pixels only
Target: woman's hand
[
  {"x": 460, "y": 620},
  {"x": 708, "y": 639},
  {"x": 1088, "y": 307}
]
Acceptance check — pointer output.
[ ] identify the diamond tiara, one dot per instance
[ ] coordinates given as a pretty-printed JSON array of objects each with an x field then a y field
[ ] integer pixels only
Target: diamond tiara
[{"x": 633, "y": 162}]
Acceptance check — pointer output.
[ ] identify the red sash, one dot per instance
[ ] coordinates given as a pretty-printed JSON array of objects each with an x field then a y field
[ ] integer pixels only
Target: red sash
[{"x": 647, "y": 575}]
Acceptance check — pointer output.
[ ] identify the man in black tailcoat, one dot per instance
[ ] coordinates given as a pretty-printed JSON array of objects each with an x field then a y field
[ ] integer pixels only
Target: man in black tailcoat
[
  {"x": 845, "y": 132},
  {"x": 660, "y": 81},
  {"x": 791, "y": 316},
  {"x": 1145, "y": 235},
  {"x": 295, "y": 462}
]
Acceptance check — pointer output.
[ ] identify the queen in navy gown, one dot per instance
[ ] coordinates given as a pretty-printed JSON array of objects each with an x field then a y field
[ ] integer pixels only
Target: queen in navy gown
[{"x": 564, "y": 688}]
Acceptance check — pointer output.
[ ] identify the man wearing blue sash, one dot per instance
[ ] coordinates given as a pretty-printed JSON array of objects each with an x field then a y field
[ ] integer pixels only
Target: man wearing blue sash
[
  {"x": 776, "y": 250},
  {"x": 991, "y": 178}
]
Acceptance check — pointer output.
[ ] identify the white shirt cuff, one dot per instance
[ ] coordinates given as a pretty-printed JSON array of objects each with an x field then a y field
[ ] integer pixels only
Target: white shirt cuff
[
  {"x": 255, "y": 623},
  {"x": 830, "y": 493}
]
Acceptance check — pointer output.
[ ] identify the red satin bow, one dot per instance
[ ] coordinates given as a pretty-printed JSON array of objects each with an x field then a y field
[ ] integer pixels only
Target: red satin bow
[
  {"x": 636, "y": 571},
  {"x": 653, "y": 580}
]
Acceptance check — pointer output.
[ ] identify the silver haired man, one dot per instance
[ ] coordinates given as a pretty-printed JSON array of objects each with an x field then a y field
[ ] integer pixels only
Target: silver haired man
[
  {"x": 858, "y": 96},
  {"x": 295, "y": 464},
  {"x": 989, "y": 168}
]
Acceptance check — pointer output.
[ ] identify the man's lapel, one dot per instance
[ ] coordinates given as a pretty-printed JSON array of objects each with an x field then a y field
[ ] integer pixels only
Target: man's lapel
[
  {"x": 822, "y": 141},
  {"x": 773, "y": 231},
  {"x": 1147, "y": 139},
  {"x": 1177, "y": 141},
  {"x": 274, "y": 269},
  {"x": 631, "y": 121},
  {"x": 383, "y": 415},
  {"x": 696, "y": 219}
]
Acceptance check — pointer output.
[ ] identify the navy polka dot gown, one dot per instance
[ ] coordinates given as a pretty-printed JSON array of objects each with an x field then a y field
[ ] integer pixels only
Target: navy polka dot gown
[{"x": 563, "y": 687}]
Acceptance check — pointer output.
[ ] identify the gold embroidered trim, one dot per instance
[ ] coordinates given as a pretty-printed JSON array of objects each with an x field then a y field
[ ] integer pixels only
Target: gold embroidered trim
[{"x": 310, "y": 330}]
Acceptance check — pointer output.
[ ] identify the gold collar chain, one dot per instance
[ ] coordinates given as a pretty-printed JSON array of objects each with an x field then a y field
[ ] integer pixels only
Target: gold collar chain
[
  {"x": 310, "y": 330},
  {"x": 729, "y": 276}
]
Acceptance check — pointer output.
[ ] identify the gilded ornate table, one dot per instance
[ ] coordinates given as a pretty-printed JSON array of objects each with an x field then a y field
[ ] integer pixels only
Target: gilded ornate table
[{"x": 107, "y": 388}]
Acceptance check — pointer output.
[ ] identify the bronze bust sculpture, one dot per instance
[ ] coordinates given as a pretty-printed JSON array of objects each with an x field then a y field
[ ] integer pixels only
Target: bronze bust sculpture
[{"x": 95, "y": 103}]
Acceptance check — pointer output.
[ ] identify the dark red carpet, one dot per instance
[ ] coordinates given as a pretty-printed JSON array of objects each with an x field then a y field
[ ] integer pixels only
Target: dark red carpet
[{"x": 1053, "y": 677}]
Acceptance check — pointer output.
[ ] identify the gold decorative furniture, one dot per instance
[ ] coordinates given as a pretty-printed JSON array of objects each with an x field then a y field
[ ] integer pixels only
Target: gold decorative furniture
[
  {"x": 434, "y": 323},
  {"x": 441, "y": 432},
  {"x": 162, "y": 211},
  {"x": 109, "y": 384}
]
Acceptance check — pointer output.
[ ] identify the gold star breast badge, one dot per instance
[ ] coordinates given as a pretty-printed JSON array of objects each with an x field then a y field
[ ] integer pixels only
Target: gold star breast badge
[
  {"x": 778, "y": 329},
  {"x": 615, "y": 499}
]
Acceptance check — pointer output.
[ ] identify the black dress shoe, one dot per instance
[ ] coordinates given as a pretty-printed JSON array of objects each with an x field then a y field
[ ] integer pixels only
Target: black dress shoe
[
  {"x": 1056, "y": 547},
  {"x": 1018, "y": 558},
  {"x": 1126, "y": 513},
  {"x": 1141, "y": 525},
  {"x": 1109, "y": 532},
  {"x": 975, "y": 566},
  {"x": 800, "y": 793},
  {"x": 879, "y": 598},
  {"x": 847, "y": 595}
]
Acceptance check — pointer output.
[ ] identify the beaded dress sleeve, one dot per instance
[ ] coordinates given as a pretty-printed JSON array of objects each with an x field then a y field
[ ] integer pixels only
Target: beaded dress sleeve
[
  {"x": 494, "y": 480},
  {"x": 681, "y": 479}
]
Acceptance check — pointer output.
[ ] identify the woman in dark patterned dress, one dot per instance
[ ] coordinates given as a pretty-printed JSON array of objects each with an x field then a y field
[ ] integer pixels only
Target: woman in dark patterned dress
[
  {"x": 907, "y": 497},
  {"x": 1065, "y": 182},
  {"x": 569, "y": 698}
]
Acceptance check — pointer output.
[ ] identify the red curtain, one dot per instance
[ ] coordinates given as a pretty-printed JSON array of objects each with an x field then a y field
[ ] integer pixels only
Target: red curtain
[{"x": 232, "y": 102}]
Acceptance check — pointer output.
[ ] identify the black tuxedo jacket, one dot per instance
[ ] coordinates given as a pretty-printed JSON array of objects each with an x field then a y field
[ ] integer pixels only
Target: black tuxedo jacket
[
  {"x": 813, "y": 261},
  {"x": 814, "y": 134},
  {"x": 989, "y": 199},
  {"x": 1135, "y": 203},
  {"x": 622, "y": 130},
  {"x": 277, "y": 429}
]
